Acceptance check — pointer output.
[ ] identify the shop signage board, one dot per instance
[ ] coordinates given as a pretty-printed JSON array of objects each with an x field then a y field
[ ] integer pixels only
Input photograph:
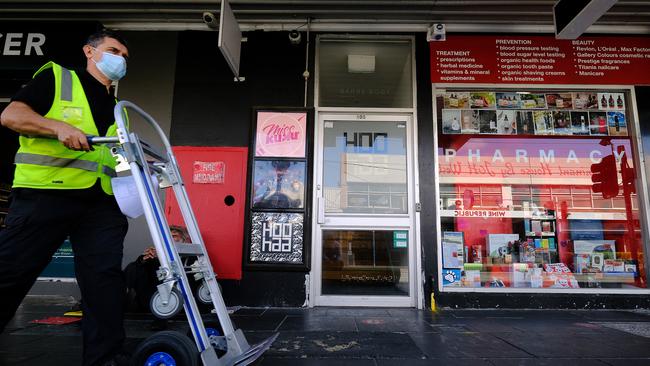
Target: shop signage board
[
  {"x": 208, "y": 172},
  {"x": 400, "y": 239},
  {"x": 541, "y": 60},
  {"x": 29, "y": 45}
]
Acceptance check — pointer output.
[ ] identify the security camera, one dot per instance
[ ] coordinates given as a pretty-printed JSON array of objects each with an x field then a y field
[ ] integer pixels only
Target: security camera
[
  {"x": 210, "y": 20},
  {"x": 294, "y": 37},
  {"x": 436, "y": 32}
]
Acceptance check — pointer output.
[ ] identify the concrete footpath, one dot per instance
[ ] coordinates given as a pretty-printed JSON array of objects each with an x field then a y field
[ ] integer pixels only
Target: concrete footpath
[{"x": 377, "y": 336}]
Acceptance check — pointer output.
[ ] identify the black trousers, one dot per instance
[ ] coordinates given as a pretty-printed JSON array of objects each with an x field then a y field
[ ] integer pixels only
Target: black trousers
[{"x": 37, "y": 224}]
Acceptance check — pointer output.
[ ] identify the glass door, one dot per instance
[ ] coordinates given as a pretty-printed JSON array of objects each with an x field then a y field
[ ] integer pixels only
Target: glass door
[{"x": 364, "y": 238}]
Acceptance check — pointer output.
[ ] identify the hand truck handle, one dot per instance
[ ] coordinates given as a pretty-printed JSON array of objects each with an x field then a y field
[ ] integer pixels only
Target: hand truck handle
[{"x": 94, "y": 140}]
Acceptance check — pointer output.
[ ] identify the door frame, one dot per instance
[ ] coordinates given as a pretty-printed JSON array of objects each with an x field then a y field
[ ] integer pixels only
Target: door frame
[{"x": 409, "y": 221}]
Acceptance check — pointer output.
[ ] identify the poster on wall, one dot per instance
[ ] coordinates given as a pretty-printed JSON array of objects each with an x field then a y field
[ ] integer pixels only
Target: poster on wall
[
  {"x": 281, "y": 134},
  {"x": 508, "y": 100},
  {"x": 585, "y": 100},
  {"x": 278, "y": 184},
  {"x": 482, "y": 100},
  {"x": 597, "y": 123},
  {"x": 611, "y": 101},
  {"x": 488, "y": 122},
  {"x": 450, "y": 121},
  {"x": 525, "y": 125},
  {"x": 562, "y": 123},
  {"x": 276, "y": 237},
  {"x": 506, "y": 123},
  {"x": 543, "y": 122},
  {"x": 559, "y": 101},
  {"x": 457, "y": 100},
  {"x": 580, "y": 123},
  {"x": 616, "y": 123},
  {"x": 470, "y": 121}
]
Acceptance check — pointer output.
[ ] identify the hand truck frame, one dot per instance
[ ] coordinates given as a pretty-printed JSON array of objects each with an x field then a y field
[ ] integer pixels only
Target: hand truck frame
[{"x": 145, "y": 161}]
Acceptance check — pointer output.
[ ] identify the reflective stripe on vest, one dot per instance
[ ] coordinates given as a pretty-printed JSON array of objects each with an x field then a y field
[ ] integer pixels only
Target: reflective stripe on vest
[
  {"x": 35, "y": 159},
  {"x": 109, "y": 171},
  {"x": 66, "y": 85}
]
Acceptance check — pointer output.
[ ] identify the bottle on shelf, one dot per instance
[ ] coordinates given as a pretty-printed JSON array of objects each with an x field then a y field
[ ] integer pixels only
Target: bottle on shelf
[
  {"x": 582, "y": 124},
  {"x": 610, "y": 101},
  {"x": 603, "y": 102},
  {"x": 619, "y": 102}
]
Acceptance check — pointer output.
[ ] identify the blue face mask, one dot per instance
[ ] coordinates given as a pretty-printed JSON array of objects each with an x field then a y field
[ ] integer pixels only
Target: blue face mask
[{"x": 112, "y": 66}]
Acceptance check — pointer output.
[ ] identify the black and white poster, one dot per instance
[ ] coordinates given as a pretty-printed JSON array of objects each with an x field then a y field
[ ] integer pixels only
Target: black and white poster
[{"x": 276, "y": 237}]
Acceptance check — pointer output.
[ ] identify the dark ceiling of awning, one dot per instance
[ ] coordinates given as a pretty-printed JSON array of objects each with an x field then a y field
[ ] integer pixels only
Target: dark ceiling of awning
[{"x": 255, "y": 13}]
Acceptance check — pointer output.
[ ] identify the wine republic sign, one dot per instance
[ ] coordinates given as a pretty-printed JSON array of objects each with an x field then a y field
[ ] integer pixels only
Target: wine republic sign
[
  {"x": 281, "y": 134},
  {"x": 526, "y": 160}
]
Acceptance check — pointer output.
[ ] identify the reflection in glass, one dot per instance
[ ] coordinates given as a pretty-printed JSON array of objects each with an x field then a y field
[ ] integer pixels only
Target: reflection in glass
[
  {"x": 365, "y": 167},
  {"x": 364, "y": 263},
  {"x": 279, "y": 184},
  {"x": 530, "y": 214},
  {"x": 365, "y": 73}
]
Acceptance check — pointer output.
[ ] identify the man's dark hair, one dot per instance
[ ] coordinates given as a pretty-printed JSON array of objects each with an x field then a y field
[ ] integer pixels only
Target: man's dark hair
[{"x": 98, "y": 37}]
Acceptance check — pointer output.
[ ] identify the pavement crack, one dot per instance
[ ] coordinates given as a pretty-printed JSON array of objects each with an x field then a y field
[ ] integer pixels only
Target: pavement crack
[{"x": 515, "y": 346}]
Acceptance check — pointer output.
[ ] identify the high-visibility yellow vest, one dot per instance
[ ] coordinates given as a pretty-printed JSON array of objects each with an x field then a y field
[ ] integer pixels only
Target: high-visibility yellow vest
[{"x": 46, "y": 163}]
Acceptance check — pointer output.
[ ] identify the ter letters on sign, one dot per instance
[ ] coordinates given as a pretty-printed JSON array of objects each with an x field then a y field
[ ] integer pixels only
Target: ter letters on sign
[{"x": 22, "y": 44}]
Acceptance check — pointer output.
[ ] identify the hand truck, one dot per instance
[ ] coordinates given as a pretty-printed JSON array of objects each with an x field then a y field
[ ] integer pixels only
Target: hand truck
[{"x": 218, "y": 346}]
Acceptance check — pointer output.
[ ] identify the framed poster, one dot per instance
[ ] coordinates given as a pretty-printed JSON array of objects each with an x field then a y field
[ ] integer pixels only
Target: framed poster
[
  {"x": 281, "y": 134},
  {"x": 278, "y": 228},
  {"x": 278, "y": 184},
  {"x": 277, "y": 238}
]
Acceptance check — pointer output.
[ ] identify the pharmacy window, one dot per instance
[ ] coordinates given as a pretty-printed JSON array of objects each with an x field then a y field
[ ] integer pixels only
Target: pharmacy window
[{"x": 538, "y": 190}]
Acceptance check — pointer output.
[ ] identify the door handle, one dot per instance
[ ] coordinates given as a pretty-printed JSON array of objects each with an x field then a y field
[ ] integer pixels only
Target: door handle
[{"x": 321, "y": 210}]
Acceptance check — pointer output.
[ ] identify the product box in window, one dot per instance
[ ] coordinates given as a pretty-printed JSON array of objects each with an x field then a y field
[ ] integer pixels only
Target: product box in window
[
  {"x": 603, "y": 249},
  {"x": 472, "y": 278},
  {"x": 630, "y": 267},
  {"x": 582, "y": 262},
  {"x": 558, "y": 275},
  {"x": 451, "y": 277},
  {"x": 499, "y": 276},
  {"x": 614, "y": 265},
  {"x": 521, "y": 274}
]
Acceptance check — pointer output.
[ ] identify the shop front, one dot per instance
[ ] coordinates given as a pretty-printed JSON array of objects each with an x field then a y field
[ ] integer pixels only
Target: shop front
[
  {"x": 541, "y": 191},
  {"x": 383, "y": 169}
]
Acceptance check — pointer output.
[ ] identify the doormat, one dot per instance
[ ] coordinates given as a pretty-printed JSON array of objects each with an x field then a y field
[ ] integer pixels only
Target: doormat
[{"x": 56, "y": 320}]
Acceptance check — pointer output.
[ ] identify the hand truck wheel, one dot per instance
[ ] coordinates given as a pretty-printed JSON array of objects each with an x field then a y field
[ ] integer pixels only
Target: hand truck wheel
[
  {"x": 167, "y": 310},
  {"x": 166, "y": 348},
  {"x": 217, "y": 339},
  {"x": 203, "y": 294}
]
